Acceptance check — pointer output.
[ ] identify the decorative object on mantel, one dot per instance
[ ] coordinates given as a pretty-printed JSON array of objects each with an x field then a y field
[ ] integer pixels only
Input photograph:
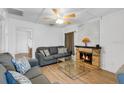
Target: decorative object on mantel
[
  {"x": 85, "y": 40},
  {"x": 97, "y": 46}
]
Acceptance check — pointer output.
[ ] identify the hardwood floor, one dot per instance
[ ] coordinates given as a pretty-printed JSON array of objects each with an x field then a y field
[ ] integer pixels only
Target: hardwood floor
[{"x": 93, "y": 77}]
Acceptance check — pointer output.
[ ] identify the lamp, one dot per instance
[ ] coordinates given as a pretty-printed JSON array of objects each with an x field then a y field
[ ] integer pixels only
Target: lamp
[{"x": 85, "y": 40}]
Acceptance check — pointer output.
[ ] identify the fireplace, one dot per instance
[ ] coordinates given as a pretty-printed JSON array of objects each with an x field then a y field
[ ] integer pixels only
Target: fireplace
[
  {"x": 89, "y": 55},
  {"x": 86, "y": 57}
]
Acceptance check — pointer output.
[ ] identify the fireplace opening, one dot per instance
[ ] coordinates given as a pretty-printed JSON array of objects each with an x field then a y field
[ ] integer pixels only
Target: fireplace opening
[{"x": 86, "y": 57}]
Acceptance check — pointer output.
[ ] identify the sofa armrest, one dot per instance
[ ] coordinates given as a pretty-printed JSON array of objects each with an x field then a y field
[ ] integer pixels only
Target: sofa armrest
[
  {"x": 33, "y": 62},
  {"x": 40, "y": 57},
  {"x": 120, "y": 75},
  {"x": 120, "y": 78}
]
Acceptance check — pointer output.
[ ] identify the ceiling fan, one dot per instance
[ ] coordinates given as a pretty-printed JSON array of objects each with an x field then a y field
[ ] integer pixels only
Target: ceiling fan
[{"x": 66, "y": 19}]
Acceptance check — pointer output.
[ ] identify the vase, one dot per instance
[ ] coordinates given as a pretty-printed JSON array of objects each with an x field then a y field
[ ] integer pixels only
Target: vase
[{"x": 85, "y": 44}]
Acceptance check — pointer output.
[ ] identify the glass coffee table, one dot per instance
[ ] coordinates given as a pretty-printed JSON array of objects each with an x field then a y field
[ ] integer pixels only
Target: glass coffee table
[{"x": 73, "y": 69}]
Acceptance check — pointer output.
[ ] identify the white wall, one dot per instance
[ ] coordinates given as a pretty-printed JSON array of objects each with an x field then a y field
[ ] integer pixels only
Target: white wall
[
  {"x": 91, "y": 30},
  {"x": 112, "y": 41},
  {"x": 1, "y": 37},
  {"x": 3, "y": 22},
  {"x": 42, "y": 35}
]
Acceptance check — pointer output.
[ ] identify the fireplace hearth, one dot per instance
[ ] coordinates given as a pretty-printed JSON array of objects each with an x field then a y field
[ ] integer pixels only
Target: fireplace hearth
[{"x": 86, "y": 57}]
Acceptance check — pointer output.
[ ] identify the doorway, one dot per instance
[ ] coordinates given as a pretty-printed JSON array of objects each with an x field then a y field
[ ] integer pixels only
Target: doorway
[
  {"x": 23, "y": 42},
  {"x": 69, "y": 41}
]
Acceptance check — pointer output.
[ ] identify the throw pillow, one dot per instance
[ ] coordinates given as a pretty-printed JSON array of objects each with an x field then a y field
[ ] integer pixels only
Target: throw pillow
[
  {"x": 60, "y": 50},
  {"x": 42, "y": 52},
  {"x": 65, "y": 50},
  {"x": 9, "y": 78},
  {"x": 20, "y": 78},
  {"x": 46, "y": 51},
  {"x": 22, "y": 65}
]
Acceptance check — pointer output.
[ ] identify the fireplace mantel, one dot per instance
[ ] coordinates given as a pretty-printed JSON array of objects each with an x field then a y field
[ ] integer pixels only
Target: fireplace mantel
[
  {"x": 90, "y": 50},
  {"x": 88, "y": 47}
]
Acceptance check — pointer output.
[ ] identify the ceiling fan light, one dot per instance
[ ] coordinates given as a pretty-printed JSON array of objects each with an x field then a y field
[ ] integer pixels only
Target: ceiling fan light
[{"x": 59, "y": 21}]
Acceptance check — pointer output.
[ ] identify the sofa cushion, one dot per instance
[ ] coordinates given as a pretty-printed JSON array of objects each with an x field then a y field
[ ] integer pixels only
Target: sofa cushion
[
  {"x": 2, "y": 75},
  {"x": 53, "y": 50},
  {"x": 33, "y": 72},
  {"x": 49, "y": 57},
  {"x": 57, "y": 56},
  {"x": 33, "y": 62},
  {"x": 48, "y": 62},
  {"x": 41, "y": 79},
  {"x": 65, "y": 54},
  {"x": 5, "y": 60}
]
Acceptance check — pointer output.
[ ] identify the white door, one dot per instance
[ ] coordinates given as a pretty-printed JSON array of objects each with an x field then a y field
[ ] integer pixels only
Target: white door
[{"x": 22, "y": 41}]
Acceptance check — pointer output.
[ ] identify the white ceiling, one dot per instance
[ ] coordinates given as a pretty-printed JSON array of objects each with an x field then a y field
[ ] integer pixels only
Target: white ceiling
[{"x": 83, "y": 15}]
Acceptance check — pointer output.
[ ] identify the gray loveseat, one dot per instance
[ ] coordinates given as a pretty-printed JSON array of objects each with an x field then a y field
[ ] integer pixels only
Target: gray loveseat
[
  {"x": 34, "y": 74},
  {"x": 52, "y": 58}
]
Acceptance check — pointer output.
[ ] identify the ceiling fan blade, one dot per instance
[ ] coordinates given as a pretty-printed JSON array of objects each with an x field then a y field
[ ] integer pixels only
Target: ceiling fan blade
[
  {"x": 49, "y": 17},
  {"x": 70, "y": 15},
  {"x": 68, "y": 22},
  {"x": 46, "y": 18},
  {"x": 56, "y": 11}
]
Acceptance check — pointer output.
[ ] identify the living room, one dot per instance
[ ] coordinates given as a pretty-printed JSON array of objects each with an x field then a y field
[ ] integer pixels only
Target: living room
[{"x": 30, "y": 31}]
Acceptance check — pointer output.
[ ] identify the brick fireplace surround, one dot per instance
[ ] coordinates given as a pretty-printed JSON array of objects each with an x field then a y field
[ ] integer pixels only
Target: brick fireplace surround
[{"x": 89, "y": 55}]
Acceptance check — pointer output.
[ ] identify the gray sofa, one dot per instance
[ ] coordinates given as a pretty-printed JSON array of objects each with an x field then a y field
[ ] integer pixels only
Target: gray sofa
[
  {"x": 52, "y": 58},
  {"x": 34, "y": 74}
]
